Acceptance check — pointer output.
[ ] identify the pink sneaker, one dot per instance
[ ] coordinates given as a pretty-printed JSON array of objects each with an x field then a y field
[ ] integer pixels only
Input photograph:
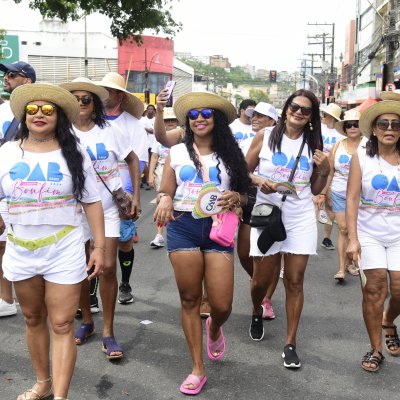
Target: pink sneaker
[{"x": 268, "y": 312}]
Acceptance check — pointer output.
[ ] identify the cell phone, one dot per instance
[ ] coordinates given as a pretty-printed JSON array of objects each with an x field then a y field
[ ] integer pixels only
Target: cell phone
[{"x": 170, "y": 87}]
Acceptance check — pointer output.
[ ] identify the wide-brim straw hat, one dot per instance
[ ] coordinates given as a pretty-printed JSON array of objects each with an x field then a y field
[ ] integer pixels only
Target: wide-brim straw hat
[
  {"x": 168, "y": 113},
  {"x": 333, "y": 110},
  {"x": 371, "y": 113},
  {"x": 131, "y": 104},
  {"x": 350, "y": 115},
  {"x": 24, "y": 94},
  {"x": 393, "y": 95},
  {"x": 85, "y": 85},
  {"x": 203, "y": 100}
]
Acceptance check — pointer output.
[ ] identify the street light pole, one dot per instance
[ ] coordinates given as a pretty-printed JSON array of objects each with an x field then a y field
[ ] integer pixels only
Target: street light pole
[{"x": 146, "y": 75}]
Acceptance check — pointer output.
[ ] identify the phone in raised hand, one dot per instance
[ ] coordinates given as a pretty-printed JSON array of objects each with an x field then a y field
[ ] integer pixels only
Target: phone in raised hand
[{"x": 170, "y": 87}]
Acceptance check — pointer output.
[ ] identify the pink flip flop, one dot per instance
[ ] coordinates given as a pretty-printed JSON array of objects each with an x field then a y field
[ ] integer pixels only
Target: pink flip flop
[
  {"x": 197, "y": 383},
  {"x": 214, "y": 346}
]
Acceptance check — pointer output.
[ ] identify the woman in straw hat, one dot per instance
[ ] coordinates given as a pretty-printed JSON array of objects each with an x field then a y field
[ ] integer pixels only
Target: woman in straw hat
[
  {"x": 106, "y": 145},
  {"x": 297, "y": 136},
  {"x": 329, "y": 116},
  {"x": 340, "y": 159},
  {"x": 372, "y": 213},
  {"x": 208, "y": 146},
  {"x": 46, "y": 177}
]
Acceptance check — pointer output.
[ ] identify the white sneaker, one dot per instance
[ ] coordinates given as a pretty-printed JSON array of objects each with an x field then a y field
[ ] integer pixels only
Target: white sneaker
[
  {"x": 158, "y": 241},
  {"x": 7, "y": 309}
]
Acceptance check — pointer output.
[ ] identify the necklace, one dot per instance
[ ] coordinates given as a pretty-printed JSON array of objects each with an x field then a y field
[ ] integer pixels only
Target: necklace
[
  {"x": 49, "y": 139},
  {"x": 347, "y": 148}
]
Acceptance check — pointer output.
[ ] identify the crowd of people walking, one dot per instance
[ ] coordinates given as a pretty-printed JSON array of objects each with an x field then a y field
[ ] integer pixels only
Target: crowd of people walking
[{"x": 72, "y": 160}]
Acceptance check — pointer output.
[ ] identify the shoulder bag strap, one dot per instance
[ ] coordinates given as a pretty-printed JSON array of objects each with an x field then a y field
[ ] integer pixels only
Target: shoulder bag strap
[
  {"x": 204, "y": 172},
  {"x": 296, "y": 163},
  {"x": 102, "y": 181}
]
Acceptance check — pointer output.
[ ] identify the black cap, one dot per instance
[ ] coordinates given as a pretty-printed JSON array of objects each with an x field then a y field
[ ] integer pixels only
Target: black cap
[{"x": 21, "y": 67}]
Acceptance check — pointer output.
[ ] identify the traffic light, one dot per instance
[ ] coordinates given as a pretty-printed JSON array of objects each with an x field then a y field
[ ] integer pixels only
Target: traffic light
[{"x": 272, "y": 76}]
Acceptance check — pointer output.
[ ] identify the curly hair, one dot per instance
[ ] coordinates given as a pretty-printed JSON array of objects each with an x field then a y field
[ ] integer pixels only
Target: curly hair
[
  {"x": 69, "y": 149},
  {"x": 313, "y": 137},
  {"x": 226, "y": 149}
]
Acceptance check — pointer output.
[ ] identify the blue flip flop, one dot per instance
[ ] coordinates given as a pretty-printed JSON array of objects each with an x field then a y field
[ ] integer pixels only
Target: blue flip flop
[
  {"x": 110, "y": 346},
  {"x": 83, "y": 333}
]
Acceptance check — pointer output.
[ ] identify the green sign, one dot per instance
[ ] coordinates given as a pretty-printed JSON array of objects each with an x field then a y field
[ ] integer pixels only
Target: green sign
[{"x": 9, "y": 47}]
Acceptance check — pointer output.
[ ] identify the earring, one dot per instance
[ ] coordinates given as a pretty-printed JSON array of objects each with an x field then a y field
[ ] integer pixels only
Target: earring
[
  {"x": 311, "y": 126},
  {"x": 93, "y": 115}
]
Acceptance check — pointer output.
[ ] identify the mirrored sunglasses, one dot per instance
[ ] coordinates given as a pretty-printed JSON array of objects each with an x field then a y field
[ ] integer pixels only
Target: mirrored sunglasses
[
  {"x": 384, "y": 124},
  {"x": 85, "y": 100},
  {"x": 206, "y": 113},
  {"x": 294, "y": 107},
  {"x": 46, "y": 109},
  {"x": 349, "y": 125}
]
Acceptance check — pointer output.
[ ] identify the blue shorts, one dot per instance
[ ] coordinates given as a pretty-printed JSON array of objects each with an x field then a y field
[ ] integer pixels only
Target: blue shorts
[
  {"x": 188, "y": 233},
  {"x": 127, "y": 230},
  {"x": 338, "y": 203}
]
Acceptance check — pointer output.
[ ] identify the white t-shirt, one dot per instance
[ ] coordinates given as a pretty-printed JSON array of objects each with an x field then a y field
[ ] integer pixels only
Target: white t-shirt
[
  {"x": 241, "y": 131},
  {"x": 189, "y": 181},
  {"x": 149, "y": 124},
  {"x": 162, "y": 151},
  {"x": 105, "y": 147},
  {"x": 330, "y": 137},
  {"x": 6, "y": 116},
  {"x": 379, "y": 208},
  {"x": 277, "y": 167},
  {"x": 342, "y": 161},
  {"x": 38, "y": 188}
]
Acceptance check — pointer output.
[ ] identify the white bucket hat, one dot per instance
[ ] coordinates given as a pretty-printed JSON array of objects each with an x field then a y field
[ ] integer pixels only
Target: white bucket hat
[
  {"x": 265, "y": 109},
  {"x": 350, "y": 115},
  {"x": 333, "y": 110},
  {"x": 168, "y": 113},
  {"x": 131, "y": 104},
  {"x": 86, "y": 85}
]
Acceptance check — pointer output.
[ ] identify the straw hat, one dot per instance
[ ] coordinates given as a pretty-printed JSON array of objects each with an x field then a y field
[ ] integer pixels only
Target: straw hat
[
  {"x": 333, "y": 110},
  {"x": 131, "y": 104},
  {"x": 203, "y": 100},
  {"x": 350, "y": 115},
  {"x": 374, "y": 111},
  {"x": 86, "y": 85},
  {"x": 169, "y": 113},
  {"x": 24, "y": 94},
  {"x": 393, "y": 95}
]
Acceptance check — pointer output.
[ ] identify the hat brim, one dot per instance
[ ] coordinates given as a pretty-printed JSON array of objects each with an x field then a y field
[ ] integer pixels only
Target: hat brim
[
  {"x": 131, "y": 104},
  {"x": 86, "y": 87},
  {"x": 329, "y": 113},
  {"x": 8, "y": 67},
  {"x": 203, "y": 100},
  {"x": 375, "y": 110},
  {"x": 24, "y": 94},
  {"x": 340, "y": 128},
  {"x": 390, "y": 96}
]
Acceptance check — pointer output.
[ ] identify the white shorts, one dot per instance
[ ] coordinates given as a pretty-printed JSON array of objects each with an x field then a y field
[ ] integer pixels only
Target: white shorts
[
  {"x": 63, "y": 262},
  {"x": 378, "y": 254},
  {"x": 298, "y": 241},
  {"x": 111, "y": 224}
]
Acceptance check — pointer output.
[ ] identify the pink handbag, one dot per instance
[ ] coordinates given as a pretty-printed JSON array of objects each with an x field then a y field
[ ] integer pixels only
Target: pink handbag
[{"x": 224, "y": 228}]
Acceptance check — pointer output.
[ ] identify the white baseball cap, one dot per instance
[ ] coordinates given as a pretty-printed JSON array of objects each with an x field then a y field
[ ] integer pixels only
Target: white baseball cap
[{"x": 265, "y": 109}]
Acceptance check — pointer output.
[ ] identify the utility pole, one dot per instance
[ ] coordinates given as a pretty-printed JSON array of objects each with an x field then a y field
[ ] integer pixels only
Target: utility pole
[{"x": 392, "y": 41}]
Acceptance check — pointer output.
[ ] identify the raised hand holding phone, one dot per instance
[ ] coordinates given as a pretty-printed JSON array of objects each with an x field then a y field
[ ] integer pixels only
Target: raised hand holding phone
[{"x": 170, "y": 88}]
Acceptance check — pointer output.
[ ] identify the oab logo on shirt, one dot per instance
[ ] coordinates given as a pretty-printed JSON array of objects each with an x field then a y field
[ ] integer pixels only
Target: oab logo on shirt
[
  {"x": 281, "y": 159},
  {"x": 23, "y": 171},
  {"x": 101, "y": 152},
  {"x": 189, "y": 173},
  {"x": 382, "y": 182}
]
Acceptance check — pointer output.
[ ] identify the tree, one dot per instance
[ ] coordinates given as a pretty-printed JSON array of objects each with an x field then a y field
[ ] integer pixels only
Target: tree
[
  {"x": 2, "y": 34},
  {"x": 258, "y": 95},
  {"x": 129, "y": 18}
]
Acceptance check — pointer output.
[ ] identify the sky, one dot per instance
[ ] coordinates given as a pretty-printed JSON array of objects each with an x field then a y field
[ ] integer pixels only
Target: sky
[{"x": 264, "y": 33}]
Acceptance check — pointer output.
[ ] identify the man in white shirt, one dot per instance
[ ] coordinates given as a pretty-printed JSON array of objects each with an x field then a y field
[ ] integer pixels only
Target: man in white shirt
[{"x": 241, "y": 126}]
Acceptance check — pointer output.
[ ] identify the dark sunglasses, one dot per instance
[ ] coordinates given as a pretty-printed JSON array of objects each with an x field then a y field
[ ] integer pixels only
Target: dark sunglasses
[
  {"x": 46, "y": 109},
  {"x": 384, "y": 124},
  {"x": 86, "y": 100},
  {"x": 294, "y": 107},
  {"x": 206, "y": 113},
  {"x": 12, "y": 75},
  {"x": 349, "y": 125}
]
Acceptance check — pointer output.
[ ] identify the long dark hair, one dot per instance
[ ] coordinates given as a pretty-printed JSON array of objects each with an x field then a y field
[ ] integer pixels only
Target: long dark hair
[
  {"x": 100, "y": 118},
  {"x": 313, "y": 137},
  {"x": 69, "y": 148},
  {"x": 226, "y": 149},
  {"x": 372, "y": 148}
]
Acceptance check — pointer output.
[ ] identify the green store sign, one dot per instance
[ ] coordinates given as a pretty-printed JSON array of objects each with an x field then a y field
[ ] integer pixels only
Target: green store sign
[{"x": 9, "y": 53}]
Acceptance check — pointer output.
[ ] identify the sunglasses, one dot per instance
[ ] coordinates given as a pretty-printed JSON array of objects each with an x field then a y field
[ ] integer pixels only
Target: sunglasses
[
  {"x": 46, "y": 109},
  {"x": 384, "y": 124},
  {"x": 206, "y": 113},
  {"x": 349, "y": 125},
  {"x": 85, "y": 100},
  {"x": 294, "y": 107},
  {"x": 12, "y": 75}
]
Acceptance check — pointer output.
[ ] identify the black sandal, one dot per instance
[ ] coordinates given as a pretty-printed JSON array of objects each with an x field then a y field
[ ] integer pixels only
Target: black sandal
[
  {"x": 392, "y": 341},
  {"x": 371, "y": 359}
]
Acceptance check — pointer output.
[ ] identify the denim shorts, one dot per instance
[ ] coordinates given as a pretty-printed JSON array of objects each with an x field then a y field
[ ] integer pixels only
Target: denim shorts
[
  {"x": 188, "y": 233},
  {"x": 338, "y": 203}
]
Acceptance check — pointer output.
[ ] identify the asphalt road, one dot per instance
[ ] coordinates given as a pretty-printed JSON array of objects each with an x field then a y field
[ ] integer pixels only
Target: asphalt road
[{"x": 331, "y": 341}]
